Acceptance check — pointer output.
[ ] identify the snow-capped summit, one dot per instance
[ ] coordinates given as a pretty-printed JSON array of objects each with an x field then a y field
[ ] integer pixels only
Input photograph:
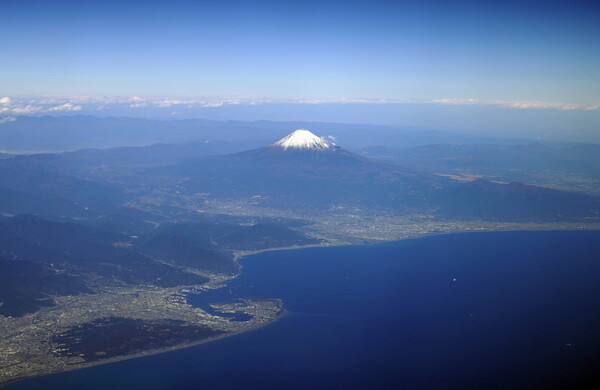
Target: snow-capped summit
[{"x": 303, "y": 139}]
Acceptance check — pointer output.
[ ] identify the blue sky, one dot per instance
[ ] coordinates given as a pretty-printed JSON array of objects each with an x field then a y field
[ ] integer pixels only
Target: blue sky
[{"x": 531, "y": 55}]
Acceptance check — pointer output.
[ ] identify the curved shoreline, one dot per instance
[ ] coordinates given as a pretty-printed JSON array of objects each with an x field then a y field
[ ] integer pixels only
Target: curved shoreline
[
  {"x": 243, "y": 254},
  {"x": 156, "y": 351},
  {"x": 238, "y": 255}
]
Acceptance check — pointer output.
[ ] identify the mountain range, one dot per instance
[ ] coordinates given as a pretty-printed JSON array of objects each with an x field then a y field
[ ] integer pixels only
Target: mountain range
[
  {"x": 126, "y": 216},
  {"x": 301, "y": 170},
  {"x": 304, "y": 169},
  {"x": 69, "y": 133}
]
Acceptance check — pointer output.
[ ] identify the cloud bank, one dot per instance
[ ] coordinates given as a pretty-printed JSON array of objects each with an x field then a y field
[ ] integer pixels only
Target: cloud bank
[
  {"x": 15, "y": 106},
  {"x": 520, "y": 104}
]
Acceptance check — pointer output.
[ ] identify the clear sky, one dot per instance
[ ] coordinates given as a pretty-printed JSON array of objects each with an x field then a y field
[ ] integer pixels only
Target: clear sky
[{"x": 507, "y": 53}]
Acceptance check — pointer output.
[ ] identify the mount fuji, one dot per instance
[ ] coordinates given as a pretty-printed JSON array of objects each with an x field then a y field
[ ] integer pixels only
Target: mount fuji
[
  {"x": 302, "y": 150},
  {"x": 303, "y": 168},
  {"x": 303, "y": 139}
]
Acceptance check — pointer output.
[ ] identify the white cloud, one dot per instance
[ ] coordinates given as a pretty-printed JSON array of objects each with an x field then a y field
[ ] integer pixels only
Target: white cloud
[
  {"x": 67, "y": 107},
  {"x": 214, "y": 105},
  {"x": 57, "y": 104},
  {"x": 24, "y": 110},
  {"x": 168, "y": 103},
  {"x": 520, "y": 104},
  {"x": 457, "y": 102},
  {"x": 547, "y": 105}
]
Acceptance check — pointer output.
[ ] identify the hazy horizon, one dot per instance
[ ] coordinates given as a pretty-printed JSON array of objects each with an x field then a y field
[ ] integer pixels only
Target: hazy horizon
[
  {"x": 506, "y": 69},
  {"x": 547, "y": 125}
]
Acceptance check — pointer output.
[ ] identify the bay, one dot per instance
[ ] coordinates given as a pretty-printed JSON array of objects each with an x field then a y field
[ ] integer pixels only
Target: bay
[{"x": 499, "y": 310}]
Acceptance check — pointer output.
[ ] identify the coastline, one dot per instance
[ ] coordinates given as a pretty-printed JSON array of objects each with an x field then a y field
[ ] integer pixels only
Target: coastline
[
  {"x": 242, "y": 254},
  {"x": 238, "y": 255},
  {"x": 155, "y": 351}
]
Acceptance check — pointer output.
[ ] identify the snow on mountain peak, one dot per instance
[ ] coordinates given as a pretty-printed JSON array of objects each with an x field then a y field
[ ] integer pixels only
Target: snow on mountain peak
[{"x": 303, "y": 139}]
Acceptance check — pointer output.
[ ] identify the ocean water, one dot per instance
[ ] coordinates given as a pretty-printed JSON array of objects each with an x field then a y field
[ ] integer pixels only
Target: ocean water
[{"x": 502, "y": 310}]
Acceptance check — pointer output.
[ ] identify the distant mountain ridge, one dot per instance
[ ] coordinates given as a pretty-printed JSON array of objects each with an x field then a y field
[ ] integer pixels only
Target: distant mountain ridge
[
  {"x": 47, "y": 176},
  {"x": 483, "y": 199},
  {"x": 513, "y": 161},
  {"x": 68, "y": 133}
]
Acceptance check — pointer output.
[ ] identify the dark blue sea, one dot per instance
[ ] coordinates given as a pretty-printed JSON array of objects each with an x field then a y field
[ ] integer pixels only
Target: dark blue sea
[{"x": 502, "y": 310}]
